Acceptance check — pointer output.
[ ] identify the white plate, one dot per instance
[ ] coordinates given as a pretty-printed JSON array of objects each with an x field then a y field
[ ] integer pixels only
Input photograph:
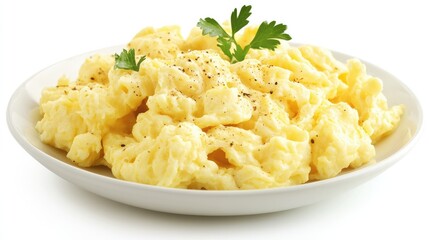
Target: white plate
[{"x": 22, "y": 115}]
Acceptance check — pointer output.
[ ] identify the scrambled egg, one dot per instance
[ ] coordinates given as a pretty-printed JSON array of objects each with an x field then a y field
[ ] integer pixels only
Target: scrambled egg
[{"x": 191, "y": 119}]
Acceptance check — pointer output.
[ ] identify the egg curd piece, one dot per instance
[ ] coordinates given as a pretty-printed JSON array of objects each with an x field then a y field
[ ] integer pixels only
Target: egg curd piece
[
  {"x": 76, "y": 120},
  {"x": 170, "y": 160},
  {"x": 163, "y": 76},
  {"x": 303, "y": 71},
  {"x": 69, "y": 122},
  {"x": 223, "y": 105},
  {"x": 86, "y": 149},
  {"x": 337, "y": 141},
  {"x": 232, "y": 146},
  {"x": 127, "y": 90},
  {"x": 234, "y": 150},
  {"x": 95, "y": 69},
  {"x": 164, "y": 43},
  {"x": 173, "y": 104},
  {"x": 365, "y": 95},
  {"x": 61, "y": 120},
  {"x": 149, "y": 124},
  {"x": 208, "y": 68},
  {"x": 296, "y": 100},
  {"x": 287, "y": 159},
  {"x": 272, "y": 119},
  {"x": 335, "y": 71}
]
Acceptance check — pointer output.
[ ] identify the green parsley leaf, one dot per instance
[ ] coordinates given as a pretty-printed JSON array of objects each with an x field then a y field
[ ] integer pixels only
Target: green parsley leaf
[
  {"x": 267, "y": 36},
  {"x": 225, "y": 45},
  {"x": 212, "y": 27},
  {"x": 240, "y": 53},
  {"x": 240, "y": 21},
  {"x": 127, "y": 60}
]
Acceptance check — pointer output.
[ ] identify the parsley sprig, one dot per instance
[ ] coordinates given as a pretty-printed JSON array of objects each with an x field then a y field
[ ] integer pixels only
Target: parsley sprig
[
  {"x": 127, "y": 60},
  {"x": 267, "y": 36}
]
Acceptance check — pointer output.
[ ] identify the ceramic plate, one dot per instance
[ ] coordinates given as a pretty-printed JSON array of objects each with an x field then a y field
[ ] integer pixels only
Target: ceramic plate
[{"x": 23, "y": 113}]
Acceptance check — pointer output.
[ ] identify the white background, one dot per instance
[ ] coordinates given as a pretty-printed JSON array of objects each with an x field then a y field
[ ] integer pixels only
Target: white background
[{"x": 37, "y": 204}]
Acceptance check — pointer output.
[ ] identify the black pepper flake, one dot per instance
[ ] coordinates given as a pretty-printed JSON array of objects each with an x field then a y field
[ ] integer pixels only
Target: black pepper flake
[
  {"x": 92, "y": 78},
  {"x": 122, "y": 145},
  {"x": 271, "y": 92},
  {"x": 275, "y": 83},
  {"x": 231, "y": 144},
  {"x": 312, "y": 140}
]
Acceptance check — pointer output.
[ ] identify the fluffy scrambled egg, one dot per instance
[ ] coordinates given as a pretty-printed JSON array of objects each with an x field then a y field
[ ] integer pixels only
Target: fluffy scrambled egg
[{"x": 191, "y": 119}]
